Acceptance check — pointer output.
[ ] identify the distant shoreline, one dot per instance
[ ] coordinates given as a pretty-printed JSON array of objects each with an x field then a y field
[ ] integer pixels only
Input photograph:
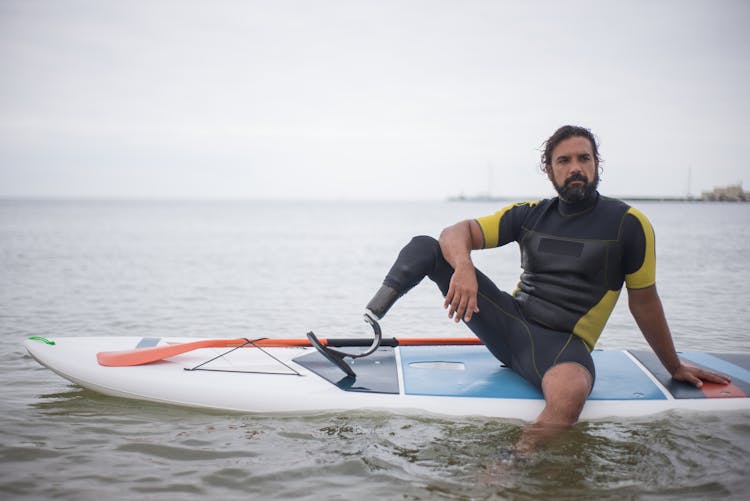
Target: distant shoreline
[
  {"x": 731, "y": 193},
  {"x": 458, "y": 199},
  {"x": 627, "y": 198}
]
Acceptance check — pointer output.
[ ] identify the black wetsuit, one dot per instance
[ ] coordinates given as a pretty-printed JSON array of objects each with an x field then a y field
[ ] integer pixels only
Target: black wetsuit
[{"x": 575, "y": 258}]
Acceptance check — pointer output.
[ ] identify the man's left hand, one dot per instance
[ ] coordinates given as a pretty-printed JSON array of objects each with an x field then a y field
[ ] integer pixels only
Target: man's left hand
[{"x": 696, "y": 376}]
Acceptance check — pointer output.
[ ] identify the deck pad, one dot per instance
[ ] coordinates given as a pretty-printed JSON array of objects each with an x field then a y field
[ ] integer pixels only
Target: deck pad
[
  {"x": 472, "y": 371},
  {"x": 483, "y": 376},
  {"x": 376, "y": 373},
  {"x": 466, "y": 371}
]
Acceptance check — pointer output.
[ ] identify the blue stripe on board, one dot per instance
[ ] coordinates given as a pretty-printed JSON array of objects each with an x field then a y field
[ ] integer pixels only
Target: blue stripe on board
[
  {"x": 482, "y": 374},
  {"x": 148, "y": 342},
  {"x": 713, "y": 362},
  {"x": 618, "y": 378}
]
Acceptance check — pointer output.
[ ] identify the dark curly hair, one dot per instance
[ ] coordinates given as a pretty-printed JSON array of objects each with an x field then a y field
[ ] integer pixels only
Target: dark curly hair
[{"x": 561, "y": 134}]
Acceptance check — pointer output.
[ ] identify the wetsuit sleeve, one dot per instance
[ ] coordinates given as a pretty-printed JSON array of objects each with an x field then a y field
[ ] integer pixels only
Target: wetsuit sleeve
[
  {"x": 505, "y": 225},
  {"x": 639, "y": 250}
]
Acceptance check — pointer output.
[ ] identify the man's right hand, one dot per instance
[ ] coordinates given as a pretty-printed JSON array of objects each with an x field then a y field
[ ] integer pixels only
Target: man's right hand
[
  {"x": 456, "y": 244},
  {"x": 461, "y": 300}
]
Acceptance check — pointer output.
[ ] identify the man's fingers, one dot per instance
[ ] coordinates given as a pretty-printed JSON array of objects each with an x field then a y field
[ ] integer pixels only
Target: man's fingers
[
  {"x": 713, "y": 377},
  {"x": 449, "y": 299},
  {"x": 471, "y": 309},
  {"x": 451, "y": 310},
  {"x": 695, "y": 381},
  {"x": 461, "y": 299},
  {"x": 696, "y": 376},
  {"x": 453, "y": 302},
  {"x": 460, "y": 308},
  {"x": 471, "y": 306}
]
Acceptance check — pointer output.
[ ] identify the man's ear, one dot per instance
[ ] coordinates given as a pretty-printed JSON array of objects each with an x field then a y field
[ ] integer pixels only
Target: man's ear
[{"x": 548, "y": 170}]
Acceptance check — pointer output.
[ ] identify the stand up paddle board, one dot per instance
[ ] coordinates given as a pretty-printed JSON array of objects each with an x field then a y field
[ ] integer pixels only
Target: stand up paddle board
[{"x": 441, "y": 376}]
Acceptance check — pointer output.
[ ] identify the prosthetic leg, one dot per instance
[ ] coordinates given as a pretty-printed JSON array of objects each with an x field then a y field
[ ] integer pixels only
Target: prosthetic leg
[
  {"x": 416, "y": 260},
  {"x": 376, "y": 309}
]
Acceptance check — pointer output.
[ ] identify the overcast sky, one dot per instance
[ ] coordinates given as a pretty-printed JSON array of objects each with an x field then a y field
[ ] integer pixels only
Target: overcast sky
[{"x": 367, "y": 99}]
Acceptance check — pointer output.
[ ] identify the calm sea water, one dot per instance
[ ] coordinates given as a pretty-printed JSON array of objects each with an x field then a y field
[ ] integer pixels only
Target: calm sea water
[{"x": 278, "y": 269}]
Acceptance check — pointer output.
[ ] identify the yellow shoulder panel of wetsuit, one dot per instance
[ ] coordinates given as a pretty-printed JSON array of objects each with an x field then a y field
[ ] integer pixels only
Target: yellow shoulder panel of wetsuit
[
  {"x": 590, "y": 326},
  {"x": 490, "y": 225},
  {"x": 645, "y": 276}
]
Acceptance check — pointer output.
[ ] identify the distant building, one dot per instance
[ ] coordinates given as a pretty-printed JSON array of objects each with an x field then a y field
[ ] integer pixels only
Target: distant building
[{"x": 733, "y": 193}]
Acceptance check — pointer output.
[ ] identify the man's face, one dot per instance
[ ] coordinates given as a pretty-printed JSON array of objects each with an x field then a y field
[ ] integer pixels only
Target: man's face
[{"x": 574, "y": 169}]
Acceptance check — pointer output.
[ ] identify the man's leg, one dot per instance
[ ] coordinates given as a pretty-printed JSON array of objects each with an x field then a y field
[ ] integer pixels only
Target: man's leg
[
  {"x": 562, "y": 367},
  {"x": 422, "y": 257},
  {"x": 419, "y": 258},
  {"x": 566, "y": 387},
  {"x": 529, "y": 349}
]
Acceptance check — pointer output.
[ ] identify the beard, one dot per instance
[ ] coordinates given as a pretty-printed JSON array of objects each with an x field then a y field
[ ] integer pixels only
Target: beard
[{"x": 573, "y": 193}]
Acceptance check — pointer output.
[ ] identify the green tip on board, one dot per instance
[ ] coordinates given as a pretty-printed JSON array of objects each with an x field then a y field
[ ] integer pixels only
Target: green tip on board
[{"x": 43, "y": 340}]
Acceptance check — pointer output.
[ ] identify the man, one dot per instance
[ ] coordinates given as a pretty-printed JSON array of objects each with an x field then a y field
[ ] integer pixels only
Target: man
[{"x": 577, "y": 250}]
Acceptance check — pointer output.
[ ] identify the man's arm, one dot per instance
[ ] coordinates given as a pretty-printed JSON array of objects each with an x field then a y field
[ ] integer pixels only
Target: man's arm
[
  {"x": 645, "y": 306},
  {"x": 456, "y": 244}
]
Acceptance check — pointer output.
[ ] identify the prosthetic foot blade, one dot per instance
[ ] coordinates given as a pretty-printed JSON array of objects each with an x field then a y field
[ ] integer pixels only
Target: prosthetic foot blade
[{"x": 332, "y": 355}]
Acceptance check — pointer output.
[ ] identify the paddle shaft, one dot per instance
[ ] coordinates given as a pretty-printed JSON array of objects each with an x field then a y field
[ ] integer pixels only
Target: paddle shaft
[{"x": 141, "y": 356}]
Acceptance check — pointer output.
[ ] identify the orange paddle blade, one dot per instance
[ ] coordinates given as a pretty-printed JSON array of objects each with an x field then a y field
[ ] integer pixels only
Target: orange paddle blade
[{"x": 140, "y": 356}]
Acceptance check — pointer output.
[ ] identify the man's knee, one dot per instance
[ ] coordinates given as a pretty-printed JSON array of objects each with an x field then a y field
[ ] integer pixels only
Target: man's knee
[
  {"x": 566, "y": 387},
  {"x": 568, "y": 378},
  {"x": 424, "y": 243},
  {"x": 414, "y": 262}
]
